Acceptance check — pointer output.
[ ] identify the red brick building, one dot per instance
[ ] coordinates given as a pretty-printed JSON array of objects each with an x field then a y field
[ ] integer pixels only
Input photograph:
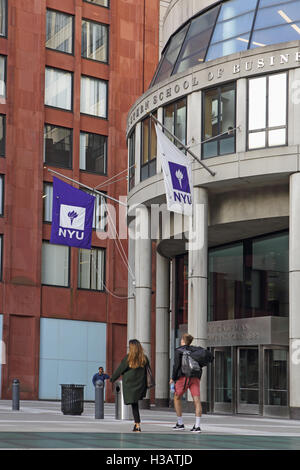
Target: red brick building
[{"x": 70, "y": 72}]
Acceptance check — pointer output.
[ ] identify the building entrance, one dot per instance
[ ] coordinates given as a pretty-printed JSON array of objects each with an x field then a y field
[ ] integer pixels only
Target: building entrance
[{"x": 250, "y": 380}]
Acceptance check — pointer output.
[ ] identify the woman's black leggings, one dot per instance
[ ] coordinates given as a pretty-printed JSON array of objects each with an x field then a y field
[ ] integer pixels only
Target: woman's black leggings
[{"x": 135, "y": 412}]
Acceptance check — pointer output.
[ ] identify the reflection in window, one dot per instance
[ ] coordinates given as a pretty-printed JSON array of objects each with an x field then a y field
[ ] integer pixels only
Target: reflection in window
[
  {"x": 58, "y": 88},
  {"x": 198, "y": 35},
  {"x": 175, "y": 121},
  {"x": 58, "y": 146},
  {"x": 91, "y": 269},
  {"x": 94, "y": 41},
  {"x": 267, "y": 111},
  {"x": 274, "y": 24},
  {"x": 3, "y": 17},
  {"x": 168, "y": 60},
  {"x": 149, "y": 148},
  {"x": 93, "y": 152},
  {"x": 93, "y": 98},
  {"x": 219, "y": 118},
  {"x": 2, "y": 76},
  {"x": 59, "y": 31},
  {"x": 250, "y": 279},
  {"x": 276, "y": 377}
]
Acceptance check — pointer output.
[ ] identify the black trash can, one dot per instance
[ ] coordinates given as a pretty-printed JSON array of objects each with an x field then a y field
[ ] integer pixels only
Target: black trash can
[{"x": 72, "y": 398}]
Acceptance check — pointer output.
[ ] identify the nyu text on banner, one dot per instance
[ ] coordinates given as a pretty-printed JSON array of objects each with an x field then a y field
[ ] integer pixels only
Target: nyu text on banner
[
  {"x": 177, "y": 172},
  {"x": 72, "y": 216}
]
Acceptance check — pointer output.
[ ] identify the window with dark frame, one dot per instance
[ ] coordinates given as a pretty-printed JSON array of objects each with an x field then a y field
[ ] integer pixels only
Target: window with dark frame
[
  {"x": 93, "y": 153},
  {"x": 94, "y": 41},
  {"x": 55, "y": 264},
  {"x": 47, "y": 202},
  {"x": 58, "y": 88},
  {"x": 91, "y": 269},
  {"x": 58, "y": 146},
  {"x": 93, "y": 96},
  {"x": 59, "y": 31},
  {"x": 3, "y": 18},
  {"x": 101, "y": 3},
  {"x": 2, "y": 134},
  {"x": 1, "y": 195},
  {"x": 267, "y": 111},
  {"x": 149, "y": 148},
  {"x": 219, "y": 120},
  {"x": 174, "y": 117},
  {"x": 1, "y": 257}
]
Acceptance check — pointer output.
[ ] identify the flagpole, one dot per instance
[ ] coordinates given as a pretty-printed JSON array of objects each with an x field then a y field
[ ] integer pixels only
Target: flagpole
[
  {"x": 88, "y": 187},
  {"x": 184, "y": 146}
]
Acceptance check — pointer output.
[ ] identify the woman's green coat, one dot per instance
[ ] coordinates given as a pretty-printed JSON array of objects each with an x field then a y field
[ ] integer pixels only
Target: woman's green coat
[{"x": 134, "y": 381}]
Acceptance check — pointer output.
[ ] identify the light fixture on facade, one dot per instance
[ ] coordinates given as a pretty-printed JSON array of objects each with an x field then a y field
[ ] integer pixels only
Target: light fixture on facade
[{"x": 288, "y": 20}]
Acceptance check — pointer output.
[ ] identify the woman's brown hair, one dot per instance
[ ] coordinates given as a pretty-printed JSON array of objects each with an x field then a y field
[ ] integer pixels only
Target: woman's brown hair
[{"x": 136, "y": 356}]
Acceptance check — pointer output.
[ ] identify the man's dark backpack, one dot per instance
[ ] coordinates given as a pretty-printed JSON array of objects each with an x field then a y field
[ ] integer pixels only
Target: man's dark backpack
[{"x": 193, "y": 361}]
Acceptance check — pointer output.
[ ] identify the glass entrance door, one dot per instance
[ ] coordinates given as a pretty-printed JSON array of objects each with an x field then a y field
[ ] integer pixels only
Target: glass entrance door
[
  {"x": 223, "y": 380},
  {"x": 248, "y": 380}
]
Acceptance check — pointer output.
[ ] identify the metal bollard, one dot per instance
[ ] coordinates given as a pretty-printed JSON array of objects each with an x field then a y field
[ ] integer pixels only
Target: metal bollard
[
  {"x": 99, "y": 400},
  {"x": 16, "y": 395}
]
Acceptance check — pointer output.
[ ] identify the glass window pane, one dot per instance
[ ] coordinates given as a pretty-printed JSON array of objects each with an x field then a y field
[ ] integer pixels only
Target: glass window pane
[
  {"x": 2, "y": 76},
  {"x": 235, "y": 8},
  {"x": 276, "y": 35},
  {"x": 55, "y": 264},
  {"x": 227, "y": 146},
  {"x": 2, "y": 135},
  {"x": 211, "y": 113},
  {"x": 58, "y": 88},
  {"x": 58, "y": 146},
  {"x": 257, "y": 103},
  {"x": 153, "y": 143},
  {"x": 93, "y": 152},
  {"x": 47, "y": 202},
  {"x": 94, "y": 42},
  {"x": 1, "y": 193},
  {"x": 257, "y": 140},
  {"x": 226, "y": 278},
  {"x": 3, "y": 16},
  {"x": 210, "y": 149},
  {"x": 270, "y": 292},
  {"x": 103, "y": 3},
  {"x": 276, "y": 377},
  {"x": 196, "y": 42},
  {"x": 131, "y": 166},
  {"x": 277, "y": 137},
  {"x": 93, "y": 98},
  {"x": 170, "y": 55},
  {"x": 228, "y": 47},
  {"x": 91, "y": 269},
  {"x": 278, "y": 14},
  {"x": 59, "y": 31},
  {"x": 233, "y": 27},
  {"x": 227, "y": 111},
  {"x": 145, "y": 140},
  {"x": 277, "y": 99},
  {"x": 180, "y": 128}
]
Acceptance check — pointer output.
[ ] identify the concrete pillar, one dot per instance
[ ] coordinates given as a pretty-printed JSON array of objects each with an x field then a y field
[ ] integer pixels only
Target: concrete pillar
[
  {"x": 131, "y": 317},
  {"x": 294, "y": 293},
  {"x": 162, "y": 373},
  {"x": 197, "y": 277},
  {"x": 143, "y": 272}
]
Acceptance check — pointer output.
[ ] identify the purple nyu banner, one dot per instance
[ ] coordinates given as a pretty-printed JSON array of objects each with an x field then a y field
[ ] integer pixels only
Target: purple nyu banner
[{"x": 72, "y": 216}]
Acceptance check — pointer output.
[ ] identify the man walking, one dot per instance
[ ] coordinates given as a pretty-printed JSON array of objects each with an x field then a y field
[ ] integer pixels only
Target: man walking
[{"x": 183, "y": 383}]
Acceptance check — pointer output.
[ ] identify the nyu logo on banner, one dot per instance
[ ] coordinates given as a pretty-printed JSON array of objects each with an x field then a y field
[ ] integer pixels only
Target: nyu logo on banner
[
  {"x": 177, "y": 175},
  {"x": 72, "y": 216}
]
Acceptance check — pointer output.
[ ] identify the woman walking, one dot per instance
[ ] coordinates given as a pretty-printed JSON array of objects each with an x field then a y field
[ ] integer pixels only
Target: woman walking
[{"x": 133, "y": 370}]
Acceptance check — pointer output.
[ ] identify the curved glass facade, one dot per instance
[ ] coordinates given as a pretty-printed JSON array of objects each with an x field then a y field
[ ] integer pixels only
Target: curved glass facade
[{"x": 229, "y": 27}]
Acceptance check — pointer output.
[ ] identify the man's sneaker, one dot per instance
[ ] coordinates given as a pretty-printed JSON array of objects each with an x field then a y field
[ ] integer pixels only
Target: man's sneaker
[
  {"x": 194, "y": 429},
  {"x": 178, "y": 427}
]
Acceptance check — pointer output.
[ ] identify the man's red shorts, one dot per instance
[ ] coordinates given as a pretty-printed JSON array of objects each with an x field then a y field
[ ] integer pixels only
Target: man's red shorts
[{"x": 185, "y": 383}]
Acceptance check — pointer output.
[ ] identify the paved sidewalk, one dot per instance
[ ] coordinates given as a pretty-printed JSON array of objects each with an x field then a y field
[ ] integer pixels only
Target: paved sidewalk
[{"x": 41, "y": 425}]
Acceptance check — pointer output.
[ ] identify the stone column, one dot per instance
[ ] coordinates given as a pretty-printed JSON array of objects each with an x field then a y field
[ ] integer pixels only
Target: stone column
[
  {"x": 197, "y": 278},
  {"x": 143, "y": 280},
  {"x": 162, "y": 373},
  {"x": 294, "y": 293},
  {"x": 131, "y": 316}
]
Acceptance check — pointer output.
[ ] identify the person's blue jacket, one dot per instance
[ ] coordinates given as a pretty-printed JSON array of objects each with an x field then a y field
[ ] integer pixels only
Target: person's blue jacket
[{"x": 98, "y": 376}]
